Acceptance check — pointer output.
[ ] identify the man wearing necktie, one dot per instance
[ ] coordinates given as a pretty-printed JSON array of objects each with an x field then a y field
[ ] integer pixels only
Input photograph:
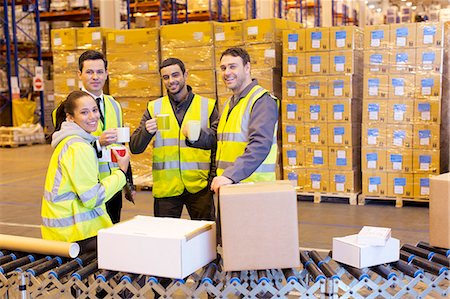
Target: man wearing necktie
[{"x": 93, "y": 73}]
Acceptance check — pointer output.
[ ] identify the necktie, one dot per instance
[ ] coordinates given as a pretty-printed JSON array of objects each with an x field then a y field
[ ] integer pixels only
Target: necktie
[{"x": 100, "y": 110}]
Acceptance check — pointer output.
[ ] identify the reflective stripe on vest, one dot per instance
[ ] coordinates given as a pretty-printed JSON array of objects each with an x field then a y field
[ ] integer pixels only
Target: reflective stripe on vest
[
  {"x": 176, "y": 166},
  {"x": 72, "y": 220}
]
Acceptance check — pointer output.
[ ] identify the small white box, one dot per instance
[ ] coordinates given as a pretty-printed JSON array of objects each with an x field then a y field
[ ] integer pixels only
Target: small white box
[
  {"x": 375, "y": 236},
  {"x": 166, "y": 247},
  {"x": 346, "y": 250}
]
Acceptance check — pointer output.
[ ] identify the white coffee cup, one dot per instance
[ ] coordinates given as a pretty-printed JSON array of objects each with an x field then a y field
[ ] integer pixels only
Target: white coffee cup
[
  {"x": 123, "y": 134},
  {"x": 193, "y": 130}
]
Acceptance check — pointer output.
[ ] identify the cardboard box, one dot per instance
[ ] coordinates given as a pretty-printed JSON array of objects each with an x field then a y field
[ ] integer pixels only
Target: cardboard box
[
  {"x": 373, "y": 159},
  {"x": 293, "y": 88},
  {"x": 293, "y": 155},
  {"x": 376, "y": 61},
  {"x": 64, "y": 39},
  {"x": 264, "y": 55},
  {"x": 400, "y": 111},
  {"x": 192, "y": 34},
  {"x": 291, "y": 111},
  {"x": 344, "y": 62},
  {"x": 346, "y": 37},
  {"x": 430, "y": 34},
  {"x": 399, "y": 136},
  {"x": 317, "y": 63},
  {"x": 426, "y": 161},
  {"x": 292, "y": 133},
  {"x": 345, "y": 181},
  {"x": 374, "y": 236},
  {"x": 374, "y": 111},
  {"x": 344, "y": 158},
  {"x": 91, "y": 38},
  {"x": 228, "y": 34},
  {"x": 345, "y": 110},
  {"x": 346, "y": 250},
  {"x": 376, "y": 86},
  {"x": 268, "y": 244},
  {"x": 316, "y": 133},
  {"x": 403, "y": 35},
  {"x": 374, "y": 183},
  {"x": 400, "y": 185},
  {"x": 317, "y": 39},
  {"x": 269, "y": 78},
  {"x": 294, "y": 41},
  {"x": 140, "y": 40},
  {"x": 401, "y": 86},
  {"x": 426, "y": 136},
  {"x": 428, "y": 85},
  {"x": 317, "y": 180},
  {"x": 373, "y": 134},
  {"x": 399, "y": 160},
  {"x": 265, "y": 30},
  {"x": 344, "y": 134},
  {"x": 166, "y": 247},
  {"x": 439, "y": 210},
  {"x": 376, "y": 37},
  {"x": 422, "y": 185},
  {"x": 202, "y": 60},
  {"x": 402, "y": 60},
  {"x": 66, "y": 61},
  {"x": 66, "y": 82},
  {"x": 345, "y": 86},
  {"x": 204, "y": 80},
  {"x": 296, "y": 176},
  {"x": 138, "y": 85},
  {"x": 316, "y": 157},
  {"x": 294, "y": 64},
  {"x": 315, "y": 110},
  {"x": 430, "y": 59},
  {"x": 132, "y": 62},
  {"x": 316, "y": 87}
]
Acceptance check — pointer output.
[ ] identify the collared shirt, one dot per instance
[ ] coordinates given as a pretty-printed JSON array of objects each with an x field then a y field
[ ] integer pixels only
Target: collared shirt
[{"x": 102, "y": 101}]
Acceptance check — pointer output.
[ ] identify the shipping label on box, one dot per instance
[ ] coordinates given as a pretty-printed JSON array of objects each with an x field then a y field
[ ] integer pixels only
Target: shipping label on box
[
  {"x": 400, "y": 185},
  {"x": 439, "y": 210},
  {"x": 293, "y": 155},
  {"x": 292, "y": 111},
  {"x": 316, "y": 133},
  {"x": 426, "y": 136},
  {"x": 315, "y": 110},
  {"x": 400, "y": 111},
  {"x": 294, "y": 64},
  {"x": 374, "y": 111},
  {"x": 430, "y": 34},
  {"x": 373, "y": 159},
  {"x": 346, "y": 37},
  {"x": 399, "y": 160},
  {"x": 373, "y": 134},
  {"x": 430, "y": 59},
  {"x": 401, "y": 86},
  {"x": 317, "y": 63},
  {"x": 348, "y": 251},
  {"x": 344, "y": 134},
  {"x": 402, "y": 61},
  {"x": 316, "y": 87},
  {"x": 292, "y": 133},
  {"x": 376, "y": 61},
  {"x": 375, "y": 183},
  {"x": 426, "y": 161},
  {"x": 345, "y": 181},
  {"x": 317, "y": 39},
  {"x": 376, "y": 86},
  {"x": 317, "y": 180},
  {"x": 296, "y": 176},
  {"x": 428, "y": 85},
  {"x": 261, "y": 245},
  {"x": 316, "y": 157},
  {"x": 294, "y": 41},
  {"x": 422, "y": 185},
  {"x": 403, "y": 35},
  {"x": 399, "y": 136},
  {"x": 344, "y": 158},
  {"x": 227, "y": 34},
  {"x": 376, "y": 37},
  {"x": 166, "y": 247}
]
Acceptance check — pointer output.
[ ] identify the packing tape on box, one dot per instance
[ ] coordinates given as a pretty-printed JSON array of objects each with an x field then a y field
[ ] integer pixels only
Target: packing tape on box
[{"x": 36, "y": 245}]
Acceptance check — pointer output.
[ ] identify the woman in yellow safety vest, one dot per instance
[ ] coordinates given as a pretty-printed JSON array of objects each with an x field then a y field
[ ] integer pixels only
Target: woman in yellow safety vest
[{"x": 73, "y": 205}]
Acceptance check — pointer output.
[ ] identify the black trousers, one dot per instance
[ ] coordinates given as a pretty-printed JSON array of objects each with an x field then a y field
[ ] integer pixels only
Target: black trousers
[
  {"x": 114, "y": 206},
  {"x": 200, "y": 205}
]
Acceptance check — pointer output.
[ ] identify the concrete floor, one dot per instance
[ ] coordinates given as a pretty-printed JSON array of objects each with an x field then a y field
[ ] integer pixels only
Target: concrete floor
[{"x": 22, "y": 176}]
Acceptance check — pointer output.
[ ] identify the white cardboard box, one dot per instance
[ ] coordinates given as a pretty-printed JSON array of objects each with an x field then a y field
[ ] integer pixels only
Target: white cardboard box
[
  {"x": 375, "y": 236},
  {"x": 346, "y": 250},
  {"x": 166, "y": 247}
]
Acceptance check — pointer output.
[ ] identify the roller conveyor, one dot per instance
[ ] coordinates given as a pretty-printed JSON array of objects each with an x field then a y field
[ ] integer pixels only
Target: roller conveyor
[{"x": 416, "y": 274}]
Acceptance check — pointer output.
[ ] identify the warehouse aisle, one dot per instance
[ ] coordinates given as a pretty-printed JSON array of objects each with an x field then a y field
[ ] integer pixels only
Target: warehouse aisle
[{"x": 22, "y": 176}]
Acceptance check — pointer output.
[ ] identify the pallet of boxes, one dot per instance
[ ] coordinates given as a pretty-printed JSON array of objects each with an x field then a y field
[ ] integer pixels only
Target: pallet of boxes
[
  {"x": 321, "y": 108},
  {"x": 402, "y": 103}
]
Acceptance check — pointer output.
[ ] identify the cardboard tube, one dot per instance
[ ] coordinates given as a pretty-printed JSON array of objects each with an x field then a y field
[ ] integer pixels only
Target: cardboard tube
[{"x": 35, "y": 245}]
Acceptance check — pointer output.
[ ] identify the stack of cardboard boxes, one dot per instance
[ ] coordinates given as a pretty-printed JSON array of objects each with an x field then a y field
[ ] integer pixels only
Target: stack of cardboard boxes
[
  {"x": 401, "y": 109},
  {"x": 321, "y": 108}
]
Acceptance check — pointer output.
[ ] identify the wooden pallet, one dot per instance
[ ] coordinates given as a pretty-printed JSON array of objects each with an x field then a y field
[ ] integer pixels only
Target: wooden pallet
[
  {"x": 397, "y": 200},
  {"x": 318, "y": 197}
]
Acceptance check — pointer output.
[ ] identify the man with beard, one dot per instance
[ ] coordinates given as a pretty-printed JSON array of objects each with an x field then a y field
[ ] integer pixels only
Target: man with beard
[{"x": 182, "y": 169}]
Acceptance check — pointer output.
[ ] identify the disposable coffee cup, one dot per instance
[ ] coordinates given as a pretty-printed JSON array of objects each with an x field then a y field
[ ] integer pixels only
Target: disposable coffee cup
[
  {"x": 123, "y": 134},
  {"x": 120, "y": 150},
  {"x": 193, "y": 130},
  {"x": 163, "y": 122}
]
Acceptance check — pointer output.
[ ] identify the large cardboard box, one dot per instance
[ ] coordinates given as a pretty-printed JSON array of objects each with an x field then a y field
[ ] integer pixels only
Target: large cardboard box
[
  {"x": 346, "y": 86},
  {"x": 440, "y": 210},
  {"x": 344, "y": 110},
  {"x": 428, "y": 85},
  {"x": 373, "y": 159},
  {"x": 228, "y": 34},
  {"x": 430, "y": 34},
  {"x": 316, "y": 157},
  {"x": 317, "y": 63},
  {"x": 66, "y": 62},
  {"x": 346, "y": 38},
  {"x": 125, "y": 62},
  {"x": 348, "y": 251},
  {"x": 430, "y": 59},
  {"x": 344, "y": 158},
  {"x": 376, "y": 86},
  {"x": 422, "y": 185},
  {"x": 373, "y": 134},
  {"x": 402, "y": 61},
  {"x": 294, "y": 64},
  {"x": 426, "y": 136},
  {"x": 427, "y": 110},
  {"x": 292, "y": 133},
  {"x": 344, "y": 134},
  {"x": 316, "y": 87},
  {"x": 399, "y": 136},
  {"x": 138, "y": 85},
  {"x": 374, "y": 111},
  {"x": 294, "y": 40},
  {"x": 266, "y": 30},
  {"x": 293, "y": 88},
  {"x": 400, "y": 184},
  {"x": 138, "y": 39},
  {"x": 264, "y": 55},
  {"x": 403, "y": 35},
  {"x": 376, "y": 61},
  {"x": 317, "y": 39},
  {"x": 316, "y": 133},
  {"x": 251, "y": 244},
  {"x": 400, "y": 111},
  {"x": 345, "y": 181},
  {"x": 315, "y": 110},
  {"x": 91, "y": 38},
  {"x": 344, "y": 62},
  {"x": 375, "y": 183},
  {"x": 202, "y": 60},
  {"x": 317, "y": 180},
  {"x": 166, "y": 247},
  {"x": 291, "y": 110},
  {"x": 399, "y": 160},
  {"x": 376, "y": 37},
  {"x": 402, "y": 86},
  {"x": 64, "y": 39},
  {"x": 192, "y": 34},
  {"x": 293, "y": 155},
  {"x": 426, "y": 161},
  {"x": 296, "y": 176}
]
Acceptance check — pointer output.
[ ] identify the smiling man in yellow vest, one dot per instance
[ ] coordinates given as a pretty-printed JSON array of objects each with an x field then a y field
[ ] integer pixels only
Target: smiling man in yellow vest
[
  {"x": 247, "y": 130},
  {"x": 182, "y": 168}
]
